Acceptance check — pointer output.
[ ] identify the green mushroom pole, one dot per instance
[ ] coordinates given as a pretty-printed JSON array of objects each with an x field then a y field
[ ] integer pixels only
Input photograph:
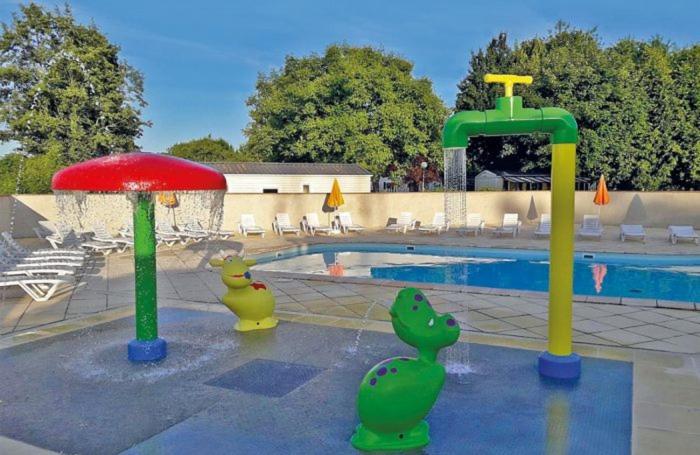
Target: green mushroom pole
[
  {"x": 145, "y": 268},
  {"x": 147, "y": 346}
]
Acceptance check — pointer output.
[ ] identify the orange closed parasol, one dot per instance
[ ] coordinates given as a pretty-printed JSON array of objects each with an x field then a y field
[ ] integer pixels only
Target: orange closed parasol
[
  {"x": 602, "y": 197},
  {"x": 335, "y": 198}
]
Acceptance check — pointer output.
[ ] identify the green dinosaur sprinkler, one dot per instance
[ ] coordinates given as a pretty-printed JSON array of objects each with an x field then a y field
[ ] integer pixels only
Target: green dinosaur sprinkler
[
  {"x": 250, "y": 300},
  {"x": 396, "y": 394}
]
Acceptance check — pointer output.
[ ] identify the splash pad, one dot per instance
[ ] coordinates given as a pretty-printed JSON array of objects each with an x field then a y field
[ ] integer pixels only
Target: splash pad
[{"x": 140, "y": 175}]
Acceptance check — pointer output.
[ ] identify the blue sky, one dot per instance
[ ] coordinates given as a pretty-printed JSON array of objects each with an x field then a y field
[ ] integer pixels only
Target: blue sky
[{"x": 201, "y": 59}]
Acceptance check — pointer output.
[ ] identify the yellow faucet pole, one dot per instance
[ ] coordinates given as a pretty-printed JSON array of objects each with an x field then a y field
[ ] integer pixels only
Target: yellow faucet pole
[{"x": 561, "y": 261}]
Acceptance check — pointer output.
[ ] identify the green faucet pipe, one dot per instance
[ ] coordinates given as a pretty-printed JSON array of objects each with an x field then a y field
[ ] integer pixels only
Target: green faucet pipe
[{"x": 509, "y": 118}]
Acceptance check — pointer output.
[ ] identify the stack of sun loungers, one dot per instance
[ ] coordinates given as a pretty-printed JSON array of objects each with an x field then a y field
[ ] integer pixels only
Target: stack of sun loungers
[{"x": 39, "y": 273}]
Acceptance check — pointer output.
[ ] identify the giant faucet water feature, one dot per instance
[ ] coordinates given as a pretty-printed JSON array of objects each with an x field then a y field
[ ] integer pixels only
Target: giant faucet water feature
[
  {"x": 511, "y": 118},
  {"x": 140, "y": 175}
]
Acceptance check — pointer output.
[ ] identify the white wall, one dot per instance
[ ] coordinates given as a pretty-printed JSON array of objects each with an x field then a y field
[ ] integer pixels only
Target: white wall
[
  {"x": 247, "y": 183},
  {"x": 652, "y": 209}
]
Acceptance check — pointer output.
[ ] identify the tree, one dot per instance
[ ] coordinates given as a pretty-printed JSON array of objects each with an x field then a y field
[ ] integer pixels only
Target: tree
[
  {"x": 349, "y": 105},
  {"x": 20, "y": 174},
  {"x": 416, "y": 175},
  {"x": 63, "y": 88},
  {"x": 209, "y": 150},
  {"x": 635, "y": 104}
]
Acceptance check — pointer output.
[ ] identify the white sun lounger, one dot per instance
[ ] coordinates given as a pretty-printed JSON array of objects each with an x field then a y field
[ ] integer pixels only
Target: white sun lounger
[
  {"x": 312, "y": 225},
  {"x": 403, "y": 224},
  {"x": 475, "y": 224},
  {"x": 283, "y": 225},
  {"x": 632, "y": 231},
  {"x": 248, "y": 226},
  {"x": 510, "y": 225},
  {"x": 544, "y": 228},
  {"x": 39, "y": 288},
  {"x": 438, "y": 225},
  {"x": 591, "y": 227},
  {"x": 684, "y": 233},
  {"x": 346, "y": 224}
]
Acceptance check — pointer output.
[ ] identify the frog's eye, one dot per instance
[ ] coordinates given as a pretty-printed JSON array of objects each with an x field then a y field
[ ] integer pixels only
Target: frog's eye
[
  {"x": 228, "y": 258},
  {"x": 247, "y": 275},
  {"x": 418, "y": 298}
]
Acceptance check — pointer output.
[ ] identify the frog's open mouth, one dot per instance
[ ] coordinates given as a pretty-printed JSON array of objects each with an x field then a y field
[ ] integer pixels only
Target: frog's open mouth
[{"x": 236, "y": 276}]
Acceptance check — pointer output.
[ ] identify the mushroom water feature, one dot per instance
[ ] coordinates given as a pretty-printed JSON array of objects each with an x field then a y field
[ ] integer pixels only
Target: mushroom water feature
[{"x": 140, "y": 176}]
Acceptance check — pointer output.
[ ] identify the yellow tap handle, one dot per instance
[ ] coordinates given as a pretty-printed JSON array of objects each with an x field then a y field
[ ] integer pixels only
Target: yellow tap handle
[{"x": 508, "y": 80}]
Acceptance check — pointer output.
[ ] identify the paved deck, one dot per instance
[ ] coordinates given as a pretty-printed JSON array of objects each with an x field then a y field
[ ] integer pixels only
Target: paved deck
[{"x": 663, "y": 343}]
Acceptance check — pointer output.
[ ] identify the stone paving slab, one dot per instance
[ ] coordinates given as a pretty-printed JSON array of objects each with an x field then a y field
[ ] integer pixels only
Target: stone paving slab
[{"x": 92, "y": 400}]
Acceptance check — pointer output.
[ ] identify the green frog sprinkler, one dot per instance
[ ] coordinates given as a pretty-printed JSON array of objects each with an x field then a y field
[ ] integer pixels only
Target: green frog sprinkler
[
  {"x": 250, "y": 300},
  {"x": 397, "y": 393}
]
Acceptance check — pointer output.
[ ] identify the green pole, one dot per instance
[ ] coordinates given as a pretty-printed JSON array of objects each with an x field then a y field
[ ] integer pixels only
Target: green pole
[{"x": 147, "y": 346}]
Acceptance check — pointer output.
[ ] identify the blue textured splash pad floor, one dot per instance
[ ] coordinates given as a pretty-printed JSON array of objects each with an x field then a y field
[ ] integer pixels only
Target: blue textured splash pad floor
[{"x": 77, "y": 393}]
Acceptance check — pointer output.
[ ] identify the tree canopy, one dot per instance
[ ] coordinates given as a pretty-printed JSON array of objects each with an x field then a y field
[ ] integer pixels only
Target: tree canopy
[
  {"x": 636, "y": 104},
  {"x": 349, "y": 105},
  {"x": 209, "y": 150},
  {"x": 63, "y": 87}
]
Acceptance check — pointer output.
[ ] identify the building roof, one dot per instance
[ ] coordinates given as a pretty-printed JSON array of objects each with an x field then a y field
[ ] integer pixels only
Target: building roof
[
  {"x": 533, "y": 178},
  {"x": 290, "y": 168}
]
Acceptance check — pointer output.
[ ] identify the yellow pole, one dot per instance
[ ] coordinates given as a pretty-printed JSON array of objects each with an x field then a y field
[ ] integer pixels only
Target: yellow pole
[{"x": 561, "y": 268}]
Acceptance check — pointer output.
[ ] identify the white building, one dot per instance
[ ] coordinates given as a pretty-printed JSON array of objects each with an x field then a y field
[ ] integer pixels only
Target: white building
[
  {"x": 293, "y": 177},
  {"x": 488, "y": 181},
  {"x": 506, "y": 181}
]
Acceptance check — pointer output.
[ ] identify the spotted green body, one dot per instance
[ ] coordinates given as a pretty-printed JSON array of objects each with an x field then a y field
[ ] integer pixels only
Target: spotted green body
[
  {"x": 250, "y": 300},
  {"x": 396, "y": 394}
]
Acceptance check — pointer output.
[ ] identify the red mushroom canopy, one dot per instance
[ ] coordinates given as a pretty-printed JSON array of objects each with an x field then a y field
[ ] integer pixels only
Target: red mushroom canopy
[{"x": 138, "y": 171}]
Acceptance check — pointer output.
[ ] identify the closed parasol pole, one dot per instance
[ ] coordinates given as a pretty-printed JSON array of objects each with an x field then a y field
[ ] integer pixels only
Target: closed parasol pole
[{"x": 602, "y": 197}]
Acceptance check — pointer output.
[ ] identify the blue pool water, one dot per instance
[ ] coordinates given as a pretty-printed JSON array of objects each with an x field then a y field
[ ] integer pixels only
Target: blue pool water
[{"x": 607, "y": 274}]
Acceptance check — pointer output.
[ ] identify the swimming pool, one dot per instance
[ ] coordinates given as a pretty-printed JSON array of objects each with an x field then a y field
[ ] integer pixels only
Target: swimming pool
[{"x": 601, "y": 274}]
